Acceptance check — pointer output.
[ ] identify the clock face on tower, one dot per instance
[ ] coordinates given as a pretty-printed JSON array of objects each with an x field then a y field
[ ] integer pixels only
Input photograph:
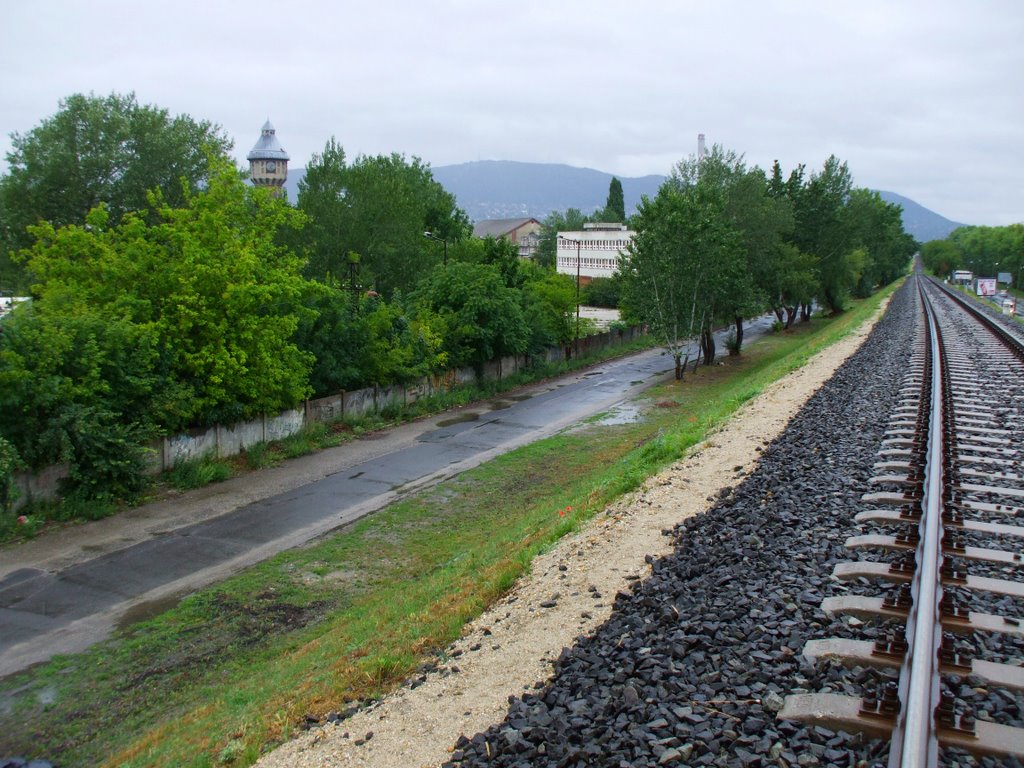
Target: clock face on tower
[{"x": 271, "y": 166}]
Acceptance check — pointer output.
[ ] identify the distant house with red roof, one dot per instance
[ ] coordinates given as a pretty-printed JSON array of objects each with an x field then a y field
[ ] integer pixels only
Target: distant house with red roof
[{"x": 525, "y": 233}]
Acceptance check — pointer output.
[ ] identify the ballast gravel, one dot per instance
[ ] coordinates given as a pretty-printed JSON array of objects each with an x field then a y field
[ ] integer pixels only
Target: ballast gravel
[
  {"x": 446, "y": 716},
  {"x": 681, "y": 647},
  {"x": 695, "y": 661}
]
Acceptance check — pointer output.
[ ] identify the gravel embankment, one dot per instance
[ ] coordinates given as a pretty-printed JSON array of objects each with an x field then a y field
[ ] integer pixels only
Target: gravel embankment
[
  {"x": 513, "y": 647},
  {"x": 694, "y": 662},
  {"x": 704, "y": 639}
]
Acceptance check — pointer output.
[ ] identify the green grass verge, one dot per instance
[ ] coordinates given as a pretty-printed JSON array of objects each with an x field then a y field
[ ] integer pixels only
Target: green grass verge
[{"x": 234, "y": 668}]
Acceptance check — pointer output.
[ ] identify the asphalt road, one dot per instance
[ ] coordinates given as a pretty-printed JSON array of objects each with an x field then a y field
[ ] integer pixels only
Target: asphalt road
[{"x": 62, "y": 601}]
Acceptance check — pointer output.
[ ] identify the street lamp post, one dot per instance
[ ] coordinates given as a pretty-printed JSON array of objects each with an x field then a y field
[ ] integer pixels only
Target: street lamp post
[
  {"x": 432, "y": 236},
  {"x": 578, "y": 244}
]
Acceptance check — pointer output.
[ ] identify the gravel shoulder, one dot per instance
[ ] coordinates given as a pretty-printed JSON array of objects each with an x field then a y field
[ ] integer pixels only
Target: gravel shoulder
[{"x": 512, "y": 647}]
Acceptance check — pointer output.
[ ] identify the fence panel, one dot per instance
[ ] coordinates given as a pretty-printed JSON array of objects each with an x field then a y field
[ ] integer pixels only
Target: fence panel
[{"x": 229, "y": 440}]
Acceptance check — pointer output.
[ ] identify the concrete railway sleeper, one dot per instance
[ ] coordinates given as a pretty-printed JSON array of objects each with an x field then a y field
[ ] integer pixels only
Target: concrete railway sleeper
[{"x": 950, "y": 479}]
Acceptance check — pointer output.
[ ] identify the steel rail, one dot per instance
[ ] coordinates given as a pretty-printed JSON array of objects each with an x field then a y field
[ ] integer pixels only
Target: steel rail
[
  {"x": 923, "y": 452},
  {"x": 1010, "y": 338},
  {"x": 914, "y": 742}
]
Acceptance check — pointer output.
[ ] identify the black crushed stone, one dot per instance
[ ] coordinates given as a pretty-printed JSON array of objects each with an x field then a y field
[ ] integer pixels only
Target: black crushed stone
[{"x": 695, "y": 661}]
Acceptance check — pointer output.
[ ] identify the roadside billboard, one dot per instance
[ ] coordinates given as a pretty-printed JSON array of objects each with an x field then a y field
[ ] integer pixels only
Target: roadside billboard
[{"x": 986, "y": 286}]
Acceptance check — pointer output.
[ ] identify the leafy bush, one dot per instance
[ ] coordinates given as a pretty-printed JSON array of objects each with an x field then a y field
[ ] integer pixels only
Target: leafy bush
[
  {"x": 196, "y": 473},
  {"x": 107, "y": 458},
  {"x": 601, "y": 292},
  {"x": 731, "y": 343},
  {"x": 260, "y": 456},
  {"x": 9, "y": 463}
]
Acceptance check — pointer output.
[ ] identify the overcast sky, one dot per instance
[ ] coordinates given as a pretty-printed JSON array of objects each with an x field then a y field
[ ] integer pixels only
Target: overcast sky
[{"x": 921, "y": 98}]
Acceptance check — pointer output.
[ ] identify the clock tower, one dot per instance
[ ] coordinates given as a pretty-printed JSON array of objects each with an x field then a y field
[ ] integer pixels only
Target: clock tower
[{"x": 268, "y": 162}]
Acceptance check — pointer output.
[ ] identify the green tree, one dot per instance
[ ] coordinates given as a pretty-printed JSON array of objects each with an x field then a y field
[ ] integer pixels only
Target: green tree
[
  {"x": 378, "y": 207},
  {"x": 877, "y": 229},
  {"x": 762, "y": 222},
  {"x": 403, "y": 346},
  {"x": 100, "y": 149},
  {"x": 786, "y": 274},
  {"x": 550, "y": 311},
  {"x": 76, "y": 387},
  {"x": 941, "y": 257},
  {"x": 547, "y": 247},
  {"x": 481, "y": 318},
  {"x": 677, "y": 272},
  {"x": 823, "y": 231},
  {"x": 322, "y": 193},
  {"x": 504, "y": 254},
  {"x": 214, "y": 293},
  {"x": 10, "y": 462},
  {"x": 615, "y": 207},
  {"x": 602, "y": 292},
  {"x": 337, "y": 336}
]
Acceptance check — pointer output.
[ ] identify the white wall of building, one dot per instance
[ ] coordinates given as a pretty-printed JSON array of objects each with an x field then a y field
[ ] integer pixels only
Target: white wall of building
[{"x": 600, "y": 246}]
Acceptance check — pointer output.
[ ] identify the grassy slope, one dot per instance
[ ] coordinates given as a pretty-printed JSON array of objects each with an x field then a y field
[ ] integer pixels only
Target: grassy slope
[{"x": 237, "y": 666}]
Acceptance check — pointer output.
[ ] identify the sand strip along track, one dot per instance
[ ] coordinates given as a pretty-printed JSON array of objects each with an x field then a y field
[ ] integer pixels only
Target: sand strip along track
[{"x": 511, "y": 647}]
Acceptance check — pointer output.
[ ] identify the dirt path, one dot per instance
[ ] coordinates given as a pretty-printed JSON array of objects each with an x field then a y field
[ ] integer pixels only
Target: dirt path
[{"x": 511, "y": 647}]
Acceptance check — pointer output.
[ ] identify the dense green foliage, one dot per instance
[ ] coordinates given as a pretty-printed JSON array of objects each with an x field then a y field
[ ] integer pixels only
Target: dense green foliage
[
  {"x": 721, "y": 242},
  {"x": 108, "y": 150},
  {"x": 985, "y": 251},
  {"x": 168, "y": 293},
  {"x": 481, "y": 317},
  {"x": 378, "y": 207},
  {"x": 603, "y": 292},
  {"x": 167, "y": 319},
  {"x": 9, "y": 463}
]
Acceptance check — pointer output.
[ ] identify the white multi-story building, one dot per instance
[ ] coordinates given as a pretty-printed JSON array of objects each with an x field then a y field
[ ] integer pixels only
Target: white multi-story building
[{"x": 592, "y": 252}]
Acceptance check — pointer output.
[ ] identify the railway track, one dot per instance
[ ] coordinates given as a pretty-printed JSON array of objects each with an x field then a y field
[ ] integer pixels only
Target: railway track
[{"x": 948, "y": 494}]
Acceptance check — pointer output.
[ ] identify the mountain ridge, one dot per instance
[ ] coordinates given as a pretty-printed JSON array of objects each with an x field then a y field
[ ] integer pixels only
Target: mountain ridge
[{"x": 506, "y": 189}]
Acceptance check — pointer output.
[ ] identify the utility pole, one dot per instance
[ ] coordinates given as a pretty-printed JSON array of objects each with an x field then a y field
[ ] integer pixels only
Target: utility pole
[
  {"x": 432, "y": 236},
  {"x": 576, "y": 345}
]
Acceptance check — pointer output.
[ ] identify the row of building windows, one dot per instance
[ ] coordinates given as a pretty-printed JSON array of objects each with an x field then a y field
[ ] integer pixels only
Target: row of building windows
[
  {"x": 570, "y": 263},
  {"x": 595, "y": 245}
]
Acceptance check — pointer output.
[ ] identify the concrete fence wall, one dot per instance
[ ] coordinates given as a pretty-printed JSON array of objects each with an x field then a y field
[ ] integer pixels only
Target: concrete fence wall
[{"x": 229, "y": 440}]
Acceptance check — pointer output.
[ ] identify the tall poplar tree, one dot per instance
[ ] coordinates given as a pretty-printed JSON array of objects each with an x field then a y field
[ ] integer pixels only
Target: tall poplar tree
[{"x": 615, "y": 207}]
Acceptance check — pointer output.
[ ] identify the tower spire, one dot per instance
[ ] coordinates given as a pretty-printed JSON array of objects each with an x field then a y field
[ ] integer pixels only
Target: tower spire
[{"x": 268, "y": 162}]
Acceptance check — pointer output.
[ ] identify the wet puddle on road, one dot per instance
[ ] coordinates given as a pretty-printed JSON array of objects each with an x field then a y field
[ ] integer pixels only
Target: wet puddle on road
[
  {"x": 626, "y": 413},
  {"x": 460, "y": 419},
  {"x": 147, "y": 610}
]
